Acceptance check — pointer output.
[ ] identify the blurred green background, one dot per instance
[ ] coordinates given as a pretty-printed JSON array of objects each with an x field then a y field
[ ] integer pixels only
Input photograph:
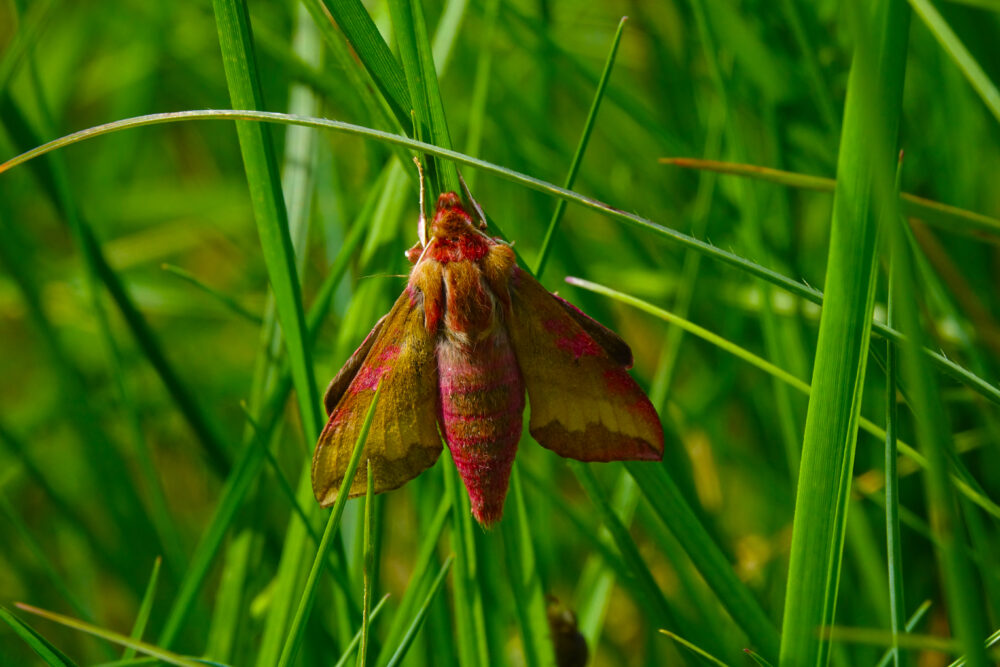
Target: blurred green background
[{"x": 104, "y": 466}]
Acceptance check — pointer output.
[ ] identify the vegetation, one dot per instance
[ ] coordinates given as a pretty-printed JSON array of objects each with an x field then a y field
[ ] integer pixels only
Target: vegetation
[{"x": 798, "y": 238}]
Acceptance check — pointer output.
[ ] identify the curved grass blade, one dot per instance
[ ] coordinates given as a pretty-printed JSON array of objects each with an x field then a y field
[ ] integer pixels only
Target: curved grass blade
[
  {"x": 581, "y": 148},
  {"x": 961, "y": 374},
  {"x": 108, "y": 635},
  {"x": 942, "y": 215},
  {"x": 418, "y": 619},
  {"x": 297, "y": 627},
  {"x": 39, "y": 644},
  {"x": 953, "y": 45}
]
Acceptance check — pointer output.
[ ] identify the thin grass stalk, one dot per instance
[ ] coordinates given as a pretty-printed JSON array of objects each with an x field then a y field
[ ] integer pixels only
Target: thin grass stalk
[
  {"x": 297, "y": 627},
  {"x": 369, "y": 568},
  {"x": 873, "y": 105},
  {"x": 581, "y": 148},
  {"x": 897, "y": 604},
  {"x": 421, "y": 614},
  {"x": 469, "y": 619},
  {"x": 145, "y": 608}
]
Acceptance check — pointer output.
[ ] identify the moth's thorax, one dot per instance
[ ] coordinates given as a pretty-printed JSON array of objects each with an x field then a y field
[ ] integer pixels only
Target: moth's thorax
[{"x": 464, "y": 285}]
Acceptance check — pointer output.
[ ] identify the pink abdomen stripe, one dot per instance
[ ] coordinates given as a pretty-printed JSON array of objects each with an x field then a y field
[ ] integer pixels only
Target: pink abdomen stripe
[{"x": 482, "y": 404}]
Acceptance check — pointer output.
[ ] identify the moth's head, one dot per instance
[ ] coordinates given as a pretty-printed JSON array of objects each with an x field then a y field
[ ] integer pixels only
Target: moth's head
[{"x": 450, "y": 218}]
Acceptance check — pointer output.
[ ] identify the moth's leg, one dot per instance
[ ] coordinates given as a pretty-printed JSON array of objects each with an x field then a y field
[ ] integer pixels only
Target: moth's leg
[{"x": 422, "y": 220}]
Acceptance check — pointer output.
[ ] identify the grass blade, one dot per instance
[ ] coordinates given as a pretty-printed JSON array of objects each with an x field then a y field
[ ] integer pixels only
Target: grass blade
[
  {"x": 418, "y": 619},
  {"x": 145, "y": 607},
  {"x": 700, "y": 652},
  {"x": 108, "y": 635},
  {"x": 297, "y": 627},
  {"x": 669, "y": 504},
  {"x": 873, "y": 106},
  {"x": 526, "y": 585},
  {"x": 953, "y": 45},
  {"x": 911, "y": 624},
  {"x": 39, "y": 644},
  {"x": 581, "y": 148},
  {"x": 357, "y": 636},
  {"x": 369, "y": 558},
  {"x": 944, "y": 216},
  {"x": 264, "y": 181}
]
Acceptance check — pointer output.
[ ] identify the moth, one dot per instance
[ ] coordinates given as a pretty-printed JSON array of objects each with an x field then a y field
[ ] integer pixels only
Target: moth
[{"x": 470, "y": 335}]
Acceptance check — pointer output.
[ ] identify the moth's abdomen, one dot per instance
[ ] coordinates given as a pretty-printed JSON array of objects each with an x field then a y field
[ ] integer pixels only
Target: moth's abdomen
[{"x": 482, "y": 403}]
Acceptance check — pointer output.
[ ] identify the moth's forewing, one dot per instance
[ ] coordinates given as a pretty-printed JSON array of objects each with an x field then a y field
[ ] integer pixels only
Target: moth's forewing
[
  {"x": 403, "y": 440},
  {"x": 344, "y": 377},
  {"x": 584, "y": 405},
  {"x": 612, "y": 343}
]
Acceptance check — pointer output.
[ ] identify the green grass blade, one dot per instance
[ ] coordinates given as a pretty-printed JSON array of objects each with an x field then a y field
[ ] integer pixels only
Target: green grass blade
[
  {"x": 953, "y": 45},
  {"x": 911, "y": 624},
  {"x": 421, "y": 570},
  {"x": 108, "y": 635},
  {"x": 418, "y": 619},
  {"x": 626, "y": 545},
  {"x": 947, "y": 218},
  {"x": 297, "y": 627},
  {"x": 581, "y": 148},
  {"x": 374, "y": 53},
  {"x": 933, "y": 435},
  {"x": 669, "y": 504},
  {"x": 264, "y": 181},
  {"x": 961, "y": 374},
  {"x": 410, "y": 29},
  {"x": 873, "y": 105},
  {"x": 369, "y": 566},
  {"x": 700, "y": 652},
  {"x": 41, "y": 558},
  {"x": 39, "y": 644},
  {"x": 469, "y": 620},
  {"x": 991, "y": 641},
  {"x": 525, "y": 583},
  {"x": 376, "y": 610},
  {"x": 145, "y": 608},
  {"x": 229, "y": 302}
]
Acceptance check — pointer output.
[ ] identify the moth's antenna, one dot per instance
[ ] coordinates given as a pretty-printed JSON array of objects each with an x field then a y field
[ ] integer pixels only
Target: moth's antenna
[
  {"x": 475, "y": 205},
  {"x": 422, "y": 221}
]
